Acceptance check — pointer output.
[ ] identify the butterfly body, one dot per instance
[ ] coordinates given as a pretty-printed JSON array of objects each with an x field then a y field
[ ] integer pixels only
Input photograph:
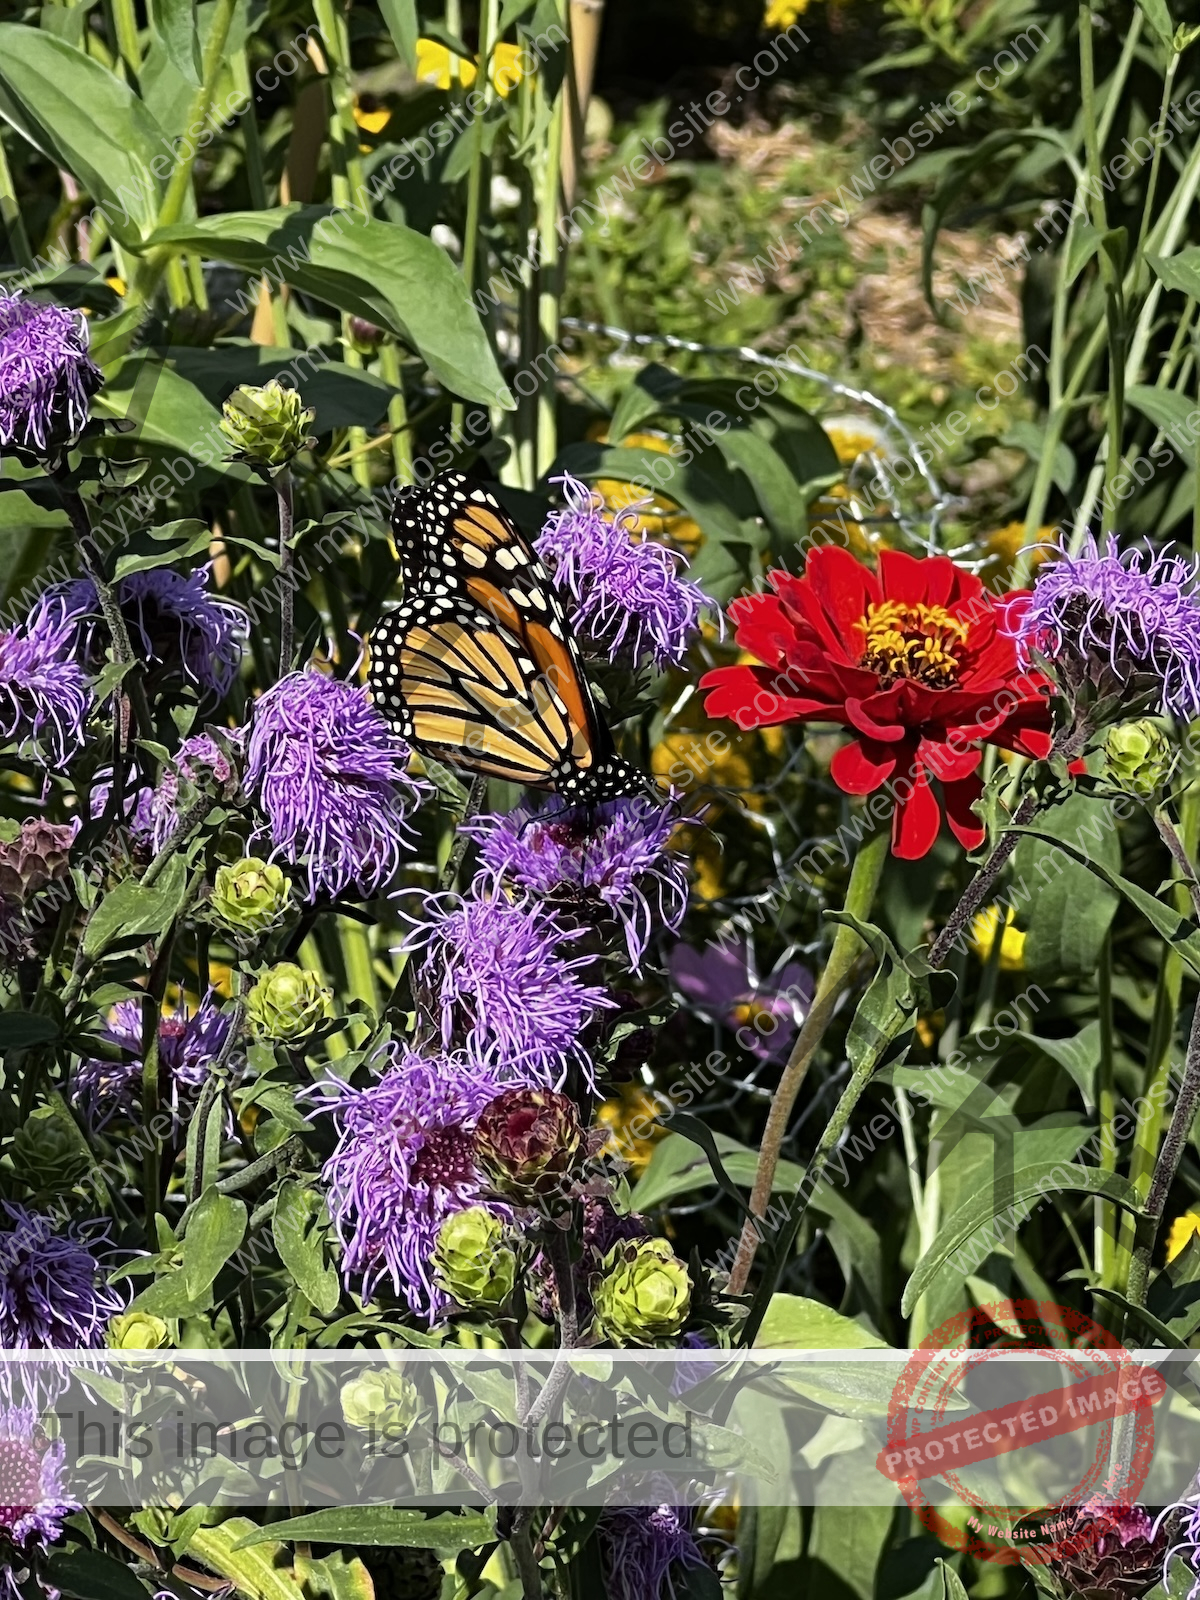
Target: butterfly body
[{"x": 478, "y": 667}]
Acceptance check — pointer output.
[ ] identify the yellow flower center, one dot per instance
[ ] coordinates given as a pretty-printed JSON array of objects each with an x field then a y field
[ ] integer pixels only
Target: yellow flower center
[{"x": 902, "y": 641}]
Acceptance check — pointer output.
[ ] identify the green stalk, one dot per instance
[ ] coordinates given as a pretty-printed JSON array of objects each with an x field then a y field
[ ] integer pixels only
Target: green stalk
[
  {"x": 287, "y": 586},
  {"x": 1105, "y": 1237},
  {"x": 488, "y": 20},
  {"x": 10, "y": 215},
  {"x": 391, "y": 372},
  {"x": 255, "y": 171},
  {"x": 360, "y": 966},
  {"x": 125, "y": 23},
  {"x": 1155, "y": 161},
  {"x": 154, "y": 262},
  {"x": 844, "y": 957},
  {"x": 550, "y": 269}
]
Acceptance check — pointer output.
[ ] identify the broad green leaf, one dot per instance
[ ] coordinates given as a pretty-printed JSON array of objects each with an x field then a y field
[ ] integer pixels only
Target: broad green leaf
[
  {"x": 187, "y": 537},
  {"x": 169, "y": 1296},
  {"x": 338, "y": 1576},
  {"x": 383, "y": 271},
  {"x": 404, "y": 26},
  {"x": 343, "y": 397},
  {"x": 770, "y": 1542},
  {"x": 1015, "y": 1200},
  {"x": 215, "y": 1230},
  {"x": 92, "y": 1575},
  {"x": 259, "y": 1573},
  {"x": 1180, "y": 271},
  {"x": 1168, "y": 410},
  {"x": 1175, "y": 1293},
  {"x": 21, "y": 1029},
  {"x": 379, "y": 1525},
  {"x": 952, "y": 1584},
  {"x": 794, "y": 1323},
  {"x": 168, "y": 411},
  {"x": 844, "y": 1548},
  {"x": 1159, "y": 18},
  {"x": 299, "y": 1228},
  {"x": 86, "y": 119},
  {"x": 133, "y": 911},
  {"x": 173, "y": 24},
  {"x": 1070, "y": 911},
  {"x": 678, "y": 1166}
]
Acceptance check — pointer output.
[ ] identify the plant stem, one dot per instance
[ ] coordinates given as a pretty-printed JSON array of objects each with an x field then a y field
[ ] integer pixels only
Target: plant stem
[
  {"x": 125, "y": 23},
  {"x": 1184, "y": 1114},
  {"x": 287, "y": 587},
  {"x": 392, "y": 372},
  {"x": 844, "y": 956},
  {"x": 550, "y": 274},
  {"x": 1105, "y": 1243},
  {"x": 10, "y": 215}
]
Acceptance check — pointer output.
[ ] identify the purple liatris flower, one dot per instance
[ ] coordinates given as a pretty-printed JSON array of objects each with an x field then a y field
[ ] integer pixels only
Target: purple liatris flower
[
  {"x": 331, "y": 777},
  {"x": 614, "y": 862},
  {"x": 1127, "y": 623},
  {"x": 506, "y": 988},
  {"x": 47, "y": 378},
  {"x": 403, "y": 1164},
  {"x": 203, "y": 763},
  {"x": 52, "y": 1293},
  {"x": 640, "y": 1545},
  {"x": 174, "y": 623},
  {"x": 45, "y": 694},
  {"x": 137, "y": 808},
  {"x": 629, "y": 598},
  {"x": 720, "y": 983},
  {"x": 187, "y": 1045},
  {"x": 33, "y": 1501}
]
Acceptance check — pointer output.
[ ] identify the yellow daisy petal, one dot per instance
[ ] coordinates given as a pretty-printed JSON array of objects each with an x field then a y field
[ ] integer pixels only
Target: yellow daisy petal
[{"x": 982, "y": 938}]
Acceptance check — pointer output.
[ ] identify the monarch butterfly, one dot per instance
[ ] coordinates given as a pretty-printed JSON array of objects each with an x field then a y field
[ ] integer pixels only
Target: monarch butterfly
[{"x": 478, "y": 667}]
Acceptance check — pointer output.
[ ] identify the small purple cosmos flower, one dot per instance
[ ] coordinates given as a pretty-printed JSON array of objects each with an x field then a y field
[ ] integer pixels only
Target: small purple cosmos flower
[
  {"x": 33, "y": 1500},
  {"x": 640, "y": 1545},
  {"x": 629, "y": 597},
  {"x": 174, "y": 622},
  {"x": 616, "y": 861},
  {"x": 45, "y": 694},
  {"x": 201, "y": 762},
  {"x": 1115, "y": 618},
  {"x": 404, "y": 1162},
  {"x": 187, "y": 1044},
  {"x": 720, "y": 983},
  {"x": 507, "y": 992},
  {"x": 52, "y": 1294},
  {"x": 332, "y": 778},
  {"x": 47, "y": 378}
]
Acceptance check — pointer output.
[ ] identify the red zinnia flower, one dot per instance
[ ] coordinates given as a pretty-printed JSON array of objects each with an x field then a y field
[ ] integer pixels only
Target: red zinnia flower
[{"x": 912, "y": 660}]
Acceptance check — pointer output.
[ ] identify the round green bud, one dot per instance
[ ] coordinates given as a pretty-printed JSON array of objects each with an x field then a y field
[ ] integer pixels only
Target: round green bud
[
  {"x": 644, "y": 1295},
  {"x": 472, "y": 1262},
  {"x": 286, "y": 1003},
  {"x": 266, "y": 426},
  {"x": 1139, "y": 757},
  {"x": 250, "y": 896},
  {"x": 383, "y": 1401},
  {"x": 137, "y": 1330},
  {"x": 46, "y": 1154}
]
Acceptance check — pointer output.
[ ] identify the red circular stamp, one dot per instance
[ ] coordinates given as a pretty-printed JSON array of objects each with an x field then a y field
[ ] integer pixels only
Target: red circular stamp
[{"x": 1021, "y": 1413}]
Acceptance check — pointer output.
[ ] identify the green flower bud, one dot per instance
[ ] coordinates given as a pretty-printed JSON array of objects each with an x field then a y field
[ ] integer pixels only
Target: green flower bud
[
  {"x": 384, "y": 1401},
  {"x": 250, "y": 896},
  {"x": 46, "y": 1154},
  {"x": 644, "y": 1295},
  {"x": 267, "y": 425},
  {"x": 286, "y": 1003},
  {"x": 138, "y": 1330},
  {"x": 1139, "y": 757},
  {"x": 472, "y": 1262}
]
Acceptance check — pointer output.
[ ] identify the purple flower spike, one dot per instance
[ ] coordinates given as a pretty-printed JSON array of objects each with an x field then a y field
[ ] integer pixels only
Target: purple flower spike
[
  {"x": 615, "y": 862},
  {"x": 33, "y": 1500},
  {"x": 1129, "y": 614},
  {"x": 174, "y": 623},
  {"x": 629, "y": 597},
  {"x": 641, "y": 1544},
  {"x": 403, "y": 1164},
  {"x": 187, "y": 1045},
  {"x": 201, "y": 761},
  {"x": 506, "y": 991},
  {"x": 720, "y": 983},
  {"x": 47, "y": 378},
  {"x": 331, "y": 777},
  {"x": 52, "y": 1294},
  {"x": 45, "y": 695}
]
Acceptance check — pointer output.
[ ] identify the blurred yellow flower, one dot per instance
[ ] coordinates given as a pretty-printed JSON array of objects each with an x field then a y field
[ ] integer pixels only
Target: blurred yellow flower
[
  {"x": 1012, "y": 941},
  {"x": 782, "y": 13},
  {"x": 116, "y": 283},
  {"x": 634, "y": 1119},
  {"x": 1007, "y": 542},
  {"x": 928, "y": 1028},
  {"x": 434, "y": 65},
  {"x": 372, "y": 120},
  {"x": 506, "y": 68},
  {"x": 849, "y": 443},
  {"x": 1182, "y": 1230}
]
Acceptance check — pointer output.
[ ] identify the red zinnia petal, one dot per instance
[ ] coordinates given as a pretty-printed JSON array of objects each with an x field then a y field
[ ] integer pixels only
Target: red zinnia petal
[
  {"x": 747, "y": 696},
  {"x": 862, "y": 765},
  {"x": 964, "y": 824},
  {"x": 917, "y": 818}
]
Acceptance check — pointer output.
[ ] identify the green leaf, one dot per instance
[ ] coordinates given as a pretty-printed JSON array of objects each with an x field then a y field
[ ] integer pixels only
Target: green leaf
[
  {"x": 133, "y": 911},
  {"x": 382, "y": 271},
  {"x": 84, "y": 118},
  {"x": 215, "y": 1230},
  {"x": 188, "y": 537},
  {"x": 299, "y": 1228},
  {"x": 167, "y": 411},
  {"x": 794, "y": 1323},
  {"x": 1180, "y": 271},
  {"x": 770, "y": 1549},
  {"x": 677, "y": 1167},
  {"x": 91, "y": 1575},
  {"x": 169, "y": 1296},
  {"x": 1169, "y": 411},
  {"x": 844, "y": 1548},
  {"x": 700, "y": 1133},
  {"x": 1145, "y": 1319},
  {"x": 707, "y": 493},
  {"x": 343, "y": 397},
  {"x": 404, "y": 27},
  {"x": 259, "y": 1574},
  {"x": 952, "y": 1584},
  {"x": 173, "y": 23},
  {"x": 338, "y": 1576},
  {"x": 1175, "y": 1293},
  {"x": 21, "y": 1029},
  {"x": 1032, "y": 1183},
  {"x": 1159, "y": 18},
  {"x": 379, "y": 1525},
  {"x": 1071, "y": 911}
]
